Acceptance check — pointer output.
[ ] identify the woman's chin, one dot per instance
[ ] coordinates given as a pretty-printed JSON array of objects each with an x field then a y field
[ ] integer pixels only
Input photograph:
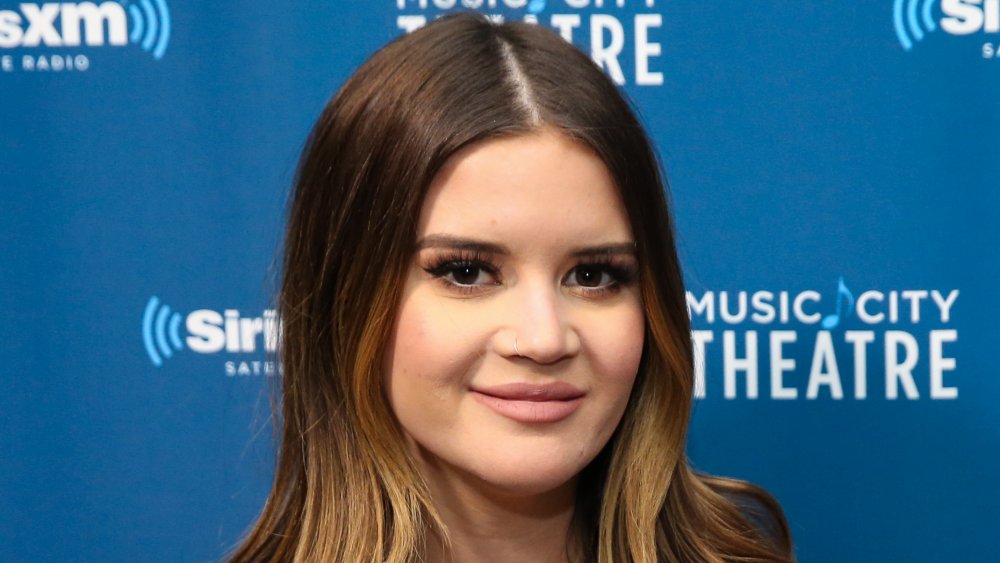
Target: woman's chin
[
  {"x": 508, "y": 469},
  {"x": 527, "y": 479}
]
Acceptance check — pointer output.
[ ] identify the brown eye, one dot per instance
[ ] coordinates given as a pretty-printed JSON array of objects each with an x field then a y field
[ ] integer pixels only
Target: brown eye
[
  {"x": 591, "y": 276},
  {"x": 466, "y": 275}
]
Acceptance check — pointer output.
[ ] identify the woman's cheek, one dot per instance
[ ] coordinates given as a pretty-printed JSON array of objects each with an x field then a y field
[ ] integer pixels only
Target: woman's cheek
[
  {"x": 616, "y": 341},
  {"x": 431, "y": 347}
]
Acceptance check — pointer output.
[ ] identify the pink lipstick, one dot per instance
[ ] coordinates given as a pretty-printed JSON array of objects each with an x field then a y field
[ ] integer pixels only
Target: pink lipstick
[{"x": 531, "y": 402}]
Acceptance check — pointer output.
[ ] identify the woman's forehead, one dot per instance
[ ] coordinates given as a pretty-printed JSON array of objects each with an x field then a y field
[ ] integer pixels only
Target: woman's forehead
[{"x": 538, "y": 186}]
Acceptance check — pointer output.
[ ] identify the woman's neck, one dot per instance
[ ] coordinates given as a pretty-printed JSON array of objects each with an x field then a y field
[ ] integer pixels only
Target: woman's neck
[{"x": 487, "y": 525}]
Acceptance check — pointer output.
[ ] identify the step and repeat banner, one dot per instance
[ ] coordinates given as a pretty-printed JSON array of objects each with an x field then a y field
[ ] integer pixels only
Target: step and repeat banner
[{"x": 834, "y": 171}]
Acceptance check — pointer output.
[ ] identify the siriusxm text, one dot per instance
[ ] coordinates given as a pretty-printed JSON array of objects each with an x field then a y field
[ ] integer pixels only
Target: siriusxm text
[
  {"x": 64, "y": 25},
  {"x": 210, "y": 332},
  {"x": 963, "y": 17}
]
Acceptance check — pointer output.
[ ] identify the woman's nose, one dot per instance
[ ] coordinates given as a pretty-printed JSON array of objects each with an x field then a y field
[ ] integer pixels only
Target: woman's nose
[{"x": 542, "y": 324}]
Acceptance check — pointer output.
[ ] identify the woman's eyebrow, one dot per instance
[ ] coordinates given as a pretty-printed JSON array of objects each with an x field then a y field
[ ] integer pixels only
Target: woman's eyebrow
[
  {"x": 606, "y": 250},
  {"x": 458, "y": 243}
]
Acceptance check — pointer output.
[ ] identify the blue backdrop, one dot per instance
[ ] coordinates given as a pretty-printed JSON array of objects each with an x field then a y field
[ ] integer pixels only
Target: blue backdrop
[{"x": 834, "y": 172}]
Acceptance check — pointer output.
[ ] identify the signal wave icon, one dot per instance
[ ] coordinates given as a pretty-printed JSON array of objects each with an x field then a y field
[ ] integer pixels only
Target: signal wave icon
[
  {"x": 912, "y": 20},
  {"x": 160, "y": 331},
  {"x": 150, "y": 26}
]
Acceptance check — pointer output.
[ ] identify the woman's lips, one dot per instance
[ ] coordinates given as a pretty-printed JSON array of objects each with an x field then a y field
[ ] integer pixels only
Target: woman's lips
[{"x": 531, "y": 402}]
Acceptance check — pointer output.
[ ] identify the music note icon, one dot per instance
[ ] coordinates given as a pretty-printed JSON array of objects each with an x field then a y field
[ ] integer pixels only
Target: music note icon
[{"x": 832, "y": 320}]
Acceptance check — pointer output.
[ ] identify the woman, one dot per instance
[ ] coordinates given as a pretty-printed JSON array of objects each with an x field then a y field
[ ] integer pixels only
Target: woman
[{"x": 486, "y": 347}]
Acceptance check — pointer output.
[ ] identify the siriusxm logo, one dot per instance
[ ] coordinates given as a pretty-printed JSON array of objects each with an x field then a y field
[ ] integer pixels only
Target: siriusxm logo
[
  {"x": 72, "y": 24},
  {"x": 208, "y": 331},
  {"x": 914, "y": 19}
]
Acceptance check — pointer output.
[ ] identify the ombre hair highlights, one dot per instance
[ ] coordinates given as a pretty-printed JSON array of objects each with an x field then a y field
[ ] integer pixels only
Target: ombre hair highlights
[{"x": 346, "y": 489}]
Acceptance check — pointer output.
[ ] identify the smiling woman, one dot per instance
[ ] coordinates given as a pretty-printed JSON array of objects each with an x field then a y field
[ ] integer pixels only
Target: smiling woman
[
  {"x": 516, "y": 303},
  {"x": 486, "y": 348}
]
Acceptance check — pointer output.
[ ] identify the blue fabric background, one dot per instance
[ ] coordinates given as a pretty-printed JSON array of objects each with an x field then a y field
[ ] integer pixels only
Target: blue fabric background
[{"x": 803, "y": 143}]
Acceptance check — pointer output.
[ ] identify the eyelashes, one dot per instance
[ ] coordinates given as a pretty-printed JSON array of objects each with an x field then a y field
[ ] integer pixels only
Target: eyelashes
[
  {"x": 464, "y": 270},
  {"x": 470, "y": 272}
]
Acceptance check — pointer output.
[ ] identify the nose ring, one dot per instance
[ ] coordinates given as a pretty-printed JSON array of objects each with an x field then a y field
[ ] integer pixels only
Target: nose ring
[{"x": 515, "y": 347}]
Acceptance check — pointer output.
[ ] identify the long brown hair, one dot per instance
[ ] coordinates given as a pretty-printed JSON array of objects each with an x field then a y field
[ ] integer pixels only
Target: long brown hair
[{"x": 345, "y": 488}]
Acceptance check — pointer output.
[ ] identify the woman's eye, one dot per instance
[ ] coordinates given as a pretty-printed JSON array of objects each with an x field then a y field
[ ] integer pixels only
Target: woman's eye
[
  {"x": 467, "y": 274},
  {"x": 464, "y": 274},
  {"x": 591, "y": 276}
]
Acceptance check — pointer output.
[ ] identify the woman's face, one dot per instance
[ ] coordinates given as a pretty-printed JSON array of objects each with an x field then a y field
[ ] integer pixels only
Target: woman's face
[{"x": 520, "y": 328}]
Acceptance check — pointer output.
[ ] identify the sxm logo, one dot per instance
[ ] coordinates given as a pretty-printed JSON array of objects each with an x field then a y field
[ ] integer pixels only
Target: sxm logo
[
  {"x": 33, "y": 27},
  {"x": 893, "y": 341},
  {"x": 914, "y": 20},
  {"x": 210, "y": 332}
]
